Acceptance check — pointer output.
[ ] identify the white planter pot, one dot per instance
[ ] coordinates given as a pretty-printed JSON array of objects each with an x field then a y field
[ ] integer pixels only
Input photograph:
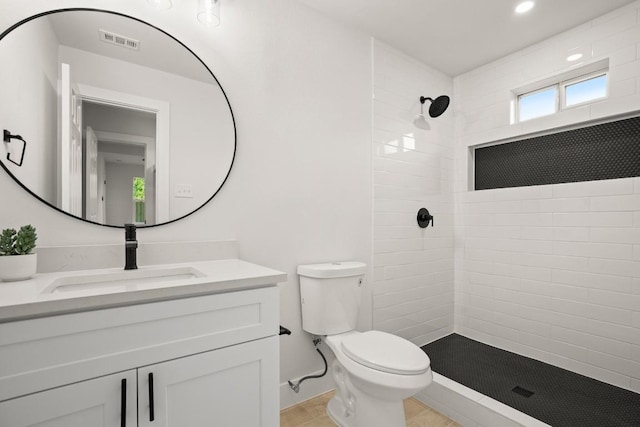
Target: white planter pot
[{"x": 18, "y": 267}]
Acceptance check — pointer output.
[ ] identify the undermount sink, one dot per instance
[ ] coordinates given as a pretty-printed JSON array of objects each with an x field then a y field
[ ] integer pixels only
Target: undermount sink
[{"x": 124, "y": 279}]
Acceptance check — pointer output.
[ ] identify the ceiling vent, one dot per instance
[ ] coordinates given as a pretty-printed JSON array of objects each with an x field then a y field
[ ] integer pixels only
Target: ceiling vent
[{"x": 118, "y": 40}]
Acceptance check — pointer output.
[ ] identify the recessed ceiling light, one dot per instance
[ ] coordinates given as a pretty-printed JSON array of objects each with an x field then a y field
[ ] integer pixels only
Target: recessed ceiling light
[
  {"x": 524, "y": 7},
  {"x": 574, "y": 57}
]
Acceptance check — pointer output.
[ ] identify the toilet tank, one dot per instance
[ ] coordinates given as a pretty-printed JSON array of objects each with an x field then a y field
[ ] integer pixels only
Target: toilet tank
[{"x": 330, "y": 296}]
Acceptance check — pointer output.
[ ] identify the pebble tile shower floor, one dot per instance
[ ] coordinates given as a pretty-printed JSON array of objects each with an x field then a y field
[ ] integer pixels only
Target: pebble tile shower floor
[{"x": 553, "y": 395}]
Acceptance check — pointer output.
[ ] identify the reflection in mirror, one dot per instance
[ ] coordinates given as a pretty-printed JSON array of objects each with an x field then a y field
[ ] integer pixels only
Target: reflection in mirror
[
  {"x": 124, "y": 123},
  {"x": 122, "y": 153}
]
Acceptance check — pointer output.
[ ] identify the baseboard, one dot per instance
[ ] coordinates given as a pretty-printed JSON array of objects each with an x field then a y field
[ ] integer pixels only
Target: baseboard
[{"x": 470, "y": 408}]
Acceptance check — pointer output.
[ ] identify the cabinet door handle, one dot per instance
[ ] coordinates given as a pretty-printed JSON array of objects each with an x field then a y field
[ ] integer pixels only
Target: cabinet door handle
[
  {"x": 123, "y": 403},
  {"x": 151, "y": 408}
]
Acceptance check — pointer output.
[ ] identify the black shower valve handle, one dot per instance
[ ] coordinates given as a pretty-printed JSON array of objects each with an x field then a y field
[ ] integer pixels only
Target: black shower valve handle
[{"x": 424, "y": 218}]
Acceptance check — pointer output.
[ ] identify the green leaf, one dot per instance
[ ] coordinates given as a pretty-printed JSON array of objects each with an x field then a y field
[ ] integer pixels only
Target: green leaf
[
  {"x": 7, "y": 241},
  {"x": 25, "y": 240}
]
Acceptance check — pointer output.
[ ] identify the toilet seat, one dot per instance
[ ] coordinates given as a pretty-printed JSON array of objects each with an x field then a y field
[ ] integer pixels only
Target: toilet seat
[{"x": 385, "y": 352}]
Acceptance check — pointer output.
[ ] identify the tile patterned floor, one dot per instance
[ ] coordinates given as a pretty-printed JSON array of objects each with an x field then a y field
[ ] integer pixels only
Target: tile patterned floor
[{"x": 312, "y": 413}]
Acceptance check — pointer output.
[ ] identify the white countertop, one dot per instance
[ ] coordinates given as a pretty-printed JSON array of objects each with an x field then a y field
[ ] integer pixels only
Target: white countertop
[{"x": 29, "y": 298}]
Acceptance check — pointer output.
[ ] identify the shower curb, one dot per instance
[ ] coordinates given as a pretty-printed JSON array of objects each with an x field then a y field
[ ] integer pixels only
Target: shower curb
[{"x": 470, "y": 408}]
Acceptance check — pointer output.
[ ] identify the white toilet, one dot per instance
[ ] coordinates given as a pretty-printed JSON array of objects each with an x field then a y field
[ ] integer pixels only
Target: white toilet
[{"x": 374, "y": 371}]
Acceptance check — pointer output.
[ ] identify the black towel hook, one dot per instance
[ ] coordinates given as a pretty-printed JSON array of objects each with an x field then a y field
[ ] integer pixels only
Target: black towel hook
[{"x": 7, "y": 138}]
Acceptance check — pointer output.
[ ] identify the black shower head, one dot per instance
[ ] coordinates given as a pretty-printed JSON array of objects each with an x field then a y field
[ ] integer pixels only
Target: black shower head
[{"x": 438, "y": 105}]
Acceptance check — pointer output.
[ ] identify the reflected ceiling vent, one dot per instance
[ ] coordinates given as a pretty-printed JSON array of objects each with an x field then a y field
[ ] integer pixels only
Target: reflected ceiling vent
[{"x": 118, "y": 40}]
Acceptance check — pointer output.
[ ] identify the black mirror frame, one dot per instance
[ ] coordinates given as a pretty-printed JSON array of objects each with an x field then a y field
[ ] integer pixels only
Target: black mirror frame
[{"x": 235, "y": 133}]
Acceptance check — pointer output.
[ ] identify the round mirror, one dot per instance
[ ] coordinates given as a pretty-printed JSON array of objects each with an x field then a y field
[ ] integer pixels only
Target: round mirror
[{"x": 111, "y": 120}]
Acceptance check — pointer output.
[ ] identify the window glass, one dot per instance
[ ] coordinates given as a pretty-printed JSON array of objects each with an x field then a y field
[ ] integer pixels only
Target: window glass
[
  {"x": 537, "y": 104},
  {"x": 586, "y": 90},
  {"x": 138, "y": 200}
]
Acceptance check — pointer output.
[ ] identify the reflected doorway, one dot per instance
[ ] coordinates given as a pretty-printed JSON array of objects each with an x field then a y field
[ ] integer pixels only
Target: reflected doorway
[{"x": 119, "y": 164}]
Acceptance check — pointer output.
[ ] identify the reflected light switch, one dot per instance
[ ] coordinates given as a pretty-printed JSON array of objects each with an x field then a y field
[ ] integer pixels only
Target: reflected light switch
[{"x": 184, "y": 191}]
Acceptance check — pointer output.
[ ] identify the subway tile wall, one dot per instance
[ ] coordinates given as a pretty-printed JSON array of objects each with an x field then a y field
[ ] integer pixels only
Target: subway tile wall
[
  {"x": 552, "y": 272},
  {"x": 413, "y": 168}
]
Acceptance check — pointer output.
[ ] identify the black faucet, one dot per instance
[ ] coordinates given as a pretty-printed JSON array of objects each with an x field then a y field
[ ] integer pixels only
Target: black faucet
[{"x": 130, "y": 247}]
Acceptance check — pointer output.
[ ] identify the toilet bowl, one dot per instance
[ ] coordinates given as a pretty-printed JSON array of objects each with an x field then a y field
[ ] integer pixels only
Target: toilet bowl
[{"x": 373, "y": 371}]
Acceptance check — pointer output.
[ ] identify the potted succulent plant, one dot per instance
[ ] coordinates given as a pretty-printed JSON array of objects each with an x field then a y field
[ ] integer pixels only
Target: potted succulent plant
[{"x": 17, "y": 262}]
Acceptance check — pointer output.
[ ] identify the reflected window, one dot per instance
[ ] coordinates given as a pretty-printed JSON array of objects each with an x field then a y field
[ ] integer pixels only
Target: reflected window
[{"x": 138, "y": 201}]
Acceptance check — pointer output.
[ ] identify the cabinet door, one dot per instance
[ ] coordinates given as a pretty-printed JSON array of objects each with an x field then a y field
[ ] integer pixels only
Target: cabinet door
[
  {"x": 229, "y": 387},
  {"x": 93, "y": 403}
]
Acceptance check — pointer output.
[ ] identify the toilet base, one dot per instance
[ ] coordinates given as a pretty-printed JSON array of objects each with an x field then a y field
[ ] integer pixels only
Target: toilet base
[
  {"x": 366, "y": 397},
  {"x": 369, "y": 413},
  {"x": 337, "y": 413}
]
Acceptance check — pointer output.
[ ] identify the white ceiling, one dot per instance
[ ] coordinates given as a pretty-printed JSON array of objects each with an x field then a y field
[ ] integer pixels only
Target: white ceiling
[{"x": 455, "y": 36}]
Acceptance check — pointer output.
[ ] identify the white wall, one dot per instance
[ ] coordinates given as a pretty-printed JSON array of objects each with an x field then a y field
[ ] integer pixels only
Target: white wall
[
  {"x": 552, "y": 272},
  {"x": 28, "y": 84},
  {"x": 300, "y": 189},
  {"x": 413, "y": 168}
]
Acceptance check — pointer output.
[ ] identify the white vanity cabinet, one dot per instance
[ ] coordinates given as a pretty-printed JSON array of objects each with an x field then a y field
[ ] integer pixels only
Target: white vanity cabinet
[
  {"x": 208, "y": 360},
  {"x": 92, "y": 403},
  {"x": 232, "y": 386}
]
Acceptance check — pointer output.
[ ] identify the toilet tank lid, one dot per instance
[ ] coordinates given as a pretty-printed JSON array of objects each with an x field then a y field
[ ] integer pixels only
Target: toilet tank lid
[{"x": 332, "y": 269}]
